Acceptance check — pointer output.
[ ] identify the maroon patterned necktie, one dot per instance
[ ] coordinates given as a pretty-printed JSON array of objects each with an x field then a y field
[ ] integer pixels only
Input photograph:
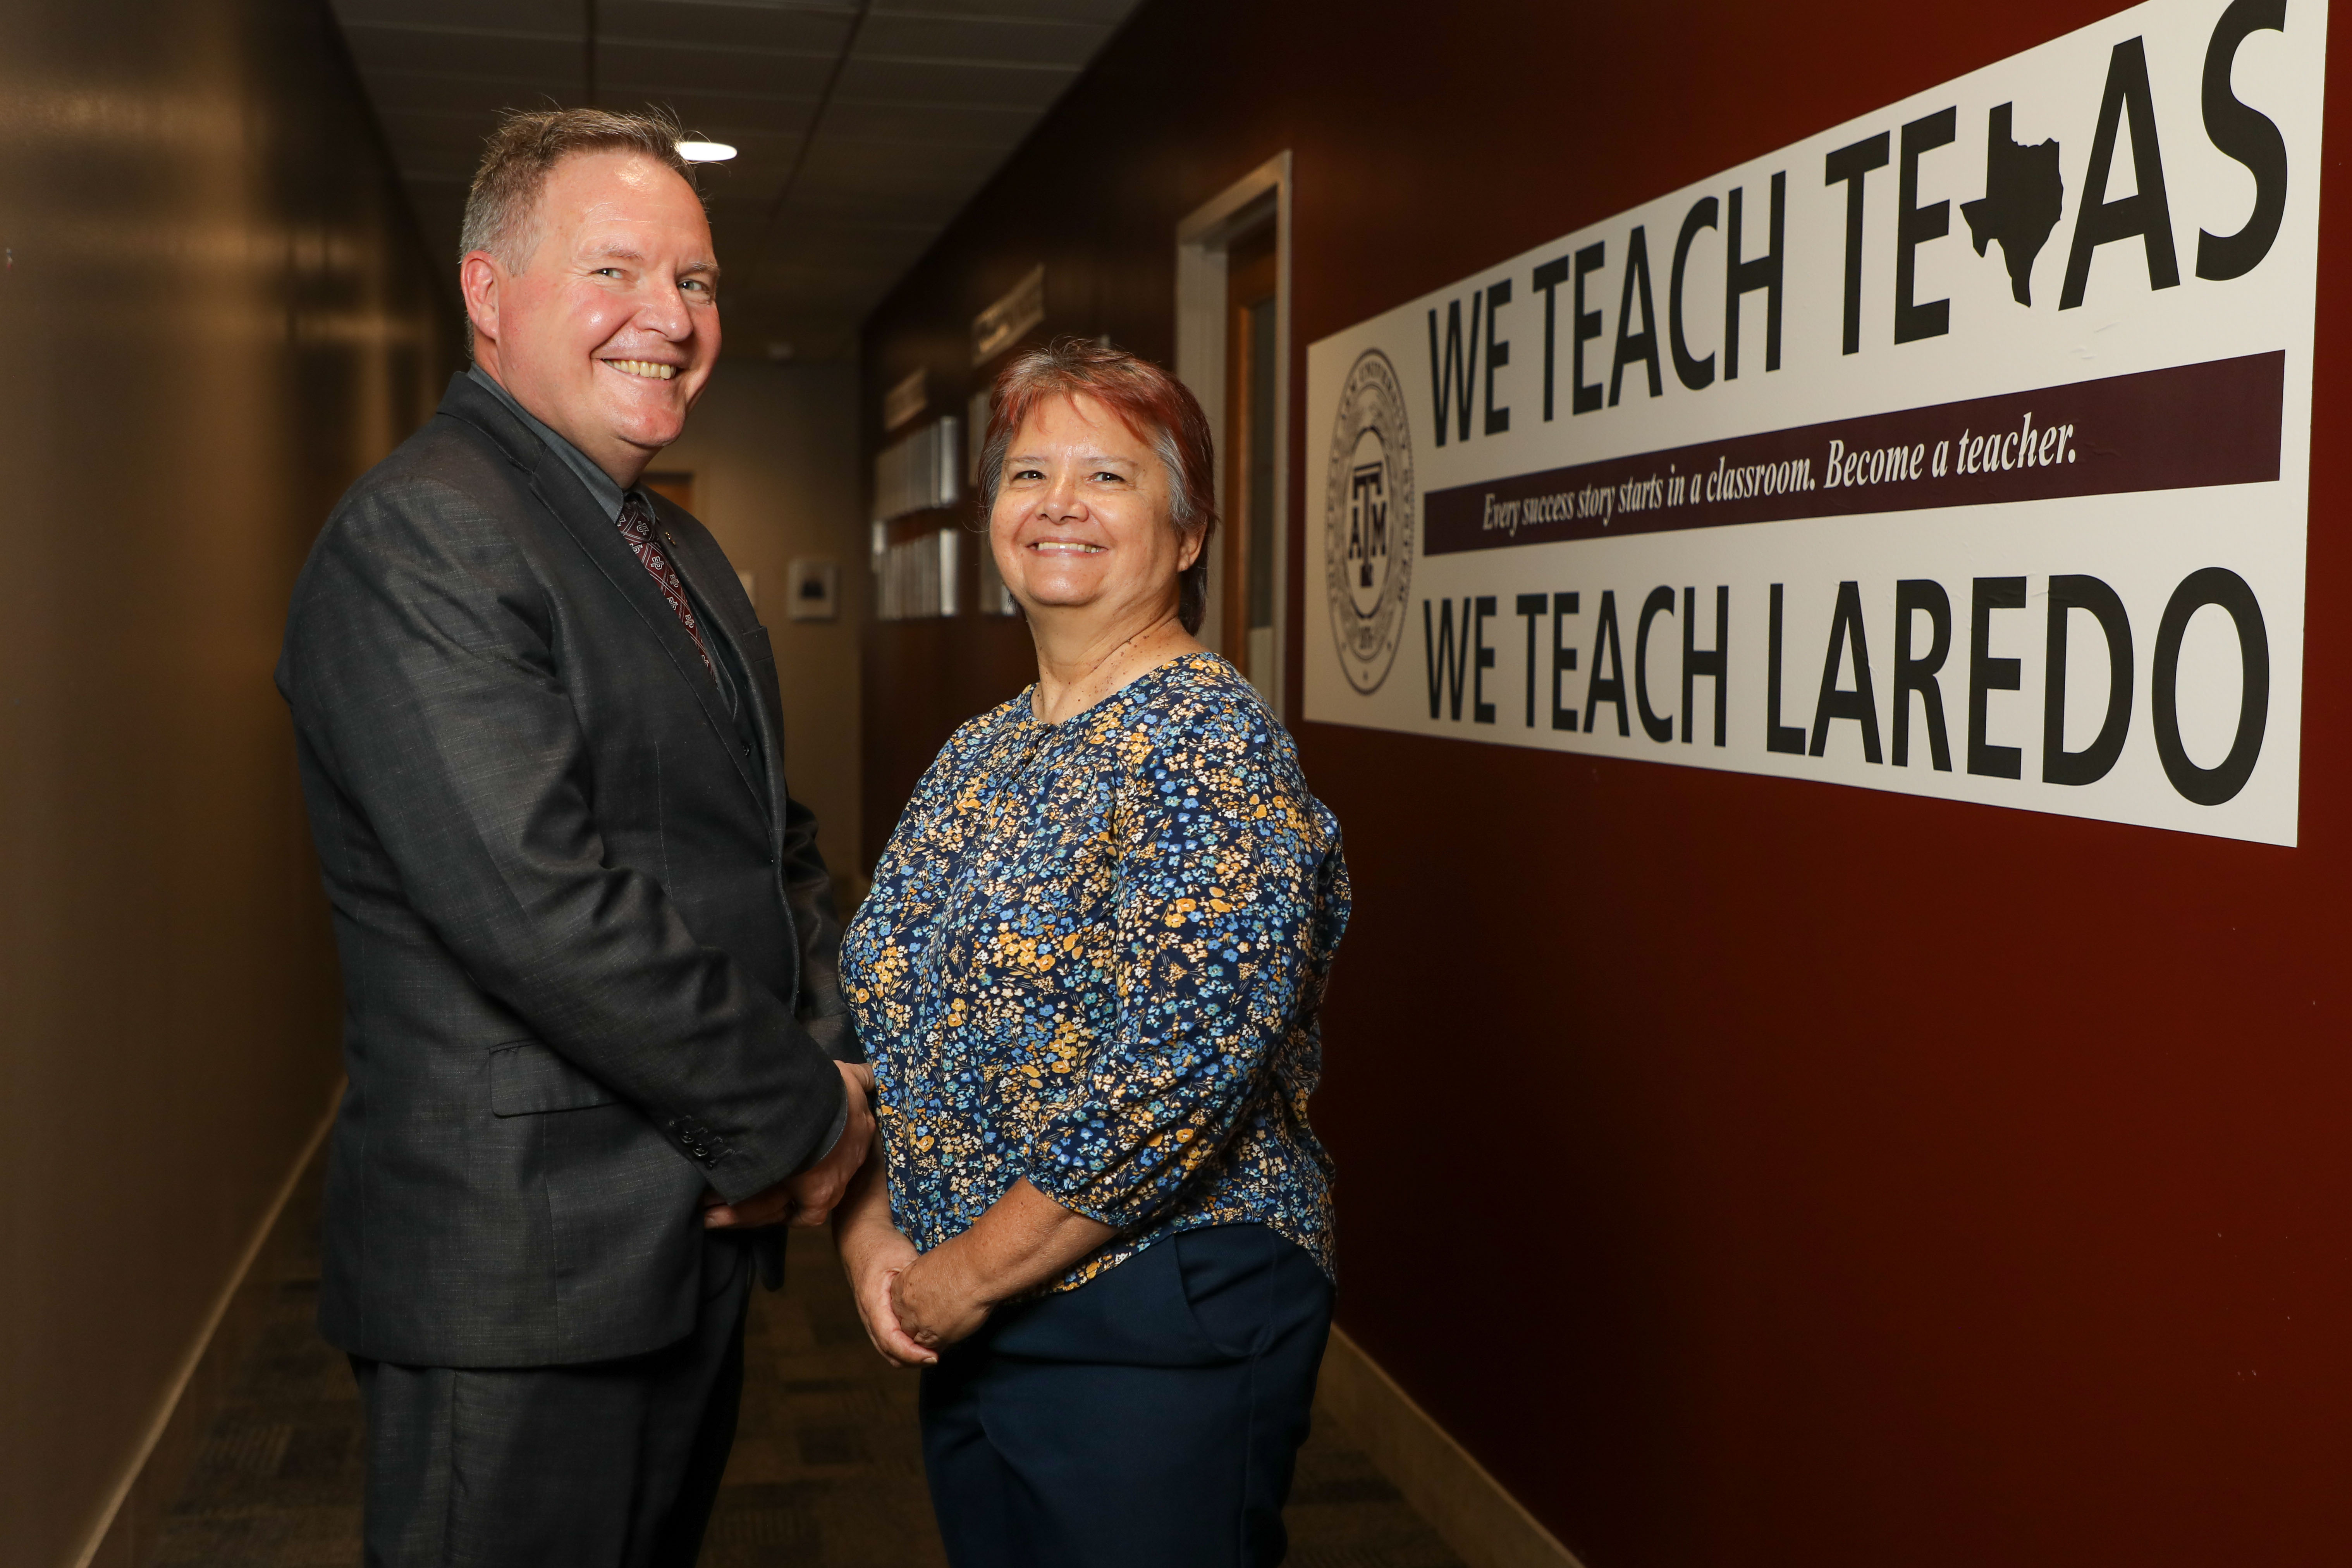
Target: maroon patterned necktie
[{"x": 638, "y": 528}]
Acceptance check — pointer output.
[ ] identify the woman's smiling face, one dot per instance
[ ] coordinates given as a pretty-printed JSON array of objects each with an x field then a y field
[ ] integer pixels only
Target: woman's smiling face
[{"x": 1081, "y": 524}]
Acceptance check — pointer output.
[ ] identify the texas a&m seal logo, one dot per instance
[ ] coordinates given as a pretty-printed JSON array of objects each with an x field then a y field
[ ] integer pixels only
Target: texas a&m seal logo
[{"x": 1368, "y": 522}]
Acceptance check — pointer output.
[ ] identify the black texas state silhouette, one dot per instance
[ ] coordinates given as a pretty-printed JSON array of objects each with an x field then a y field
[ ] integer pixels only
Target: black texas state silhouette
[{"x": 2023, "y": 196}]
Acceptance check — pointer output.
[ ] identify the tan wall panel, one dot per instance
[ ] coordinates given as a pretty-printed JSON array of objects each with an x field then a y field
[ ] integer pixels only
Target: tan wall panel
[
  {"x": 217, "y": 314},
  {"x": 773, "y": 452}
]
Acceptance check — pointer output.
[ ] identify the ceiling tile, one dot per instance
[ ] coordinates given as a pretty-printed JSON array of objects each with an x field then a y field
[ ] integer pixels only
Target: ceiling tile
[
  {"x": 725, "y": 27},
  {"x": 394, "y": 92},
  {"x": 378, "y": 48},
  {"x": 940, "y": 40},
  {"x": 436, "y": 140},
  {"x": 775, "y": 114},
  {"x": 934, "y": 95},
  {"x": 737, "y": 224},
  {"x": 884, "y": 165},
  {"x": 895, "y": 81},
  {"x": 635, "y": 67},
  {"x": 914, "y": 211},
  {"x": 753, "y": 177},
  {"x": 1107, "y": 13},
  {"x": 519, "y": 16},
  {"x": 961, "y": 125},
  {"x": 808, "y": 241},
  {"x": 842, "y": 8}
]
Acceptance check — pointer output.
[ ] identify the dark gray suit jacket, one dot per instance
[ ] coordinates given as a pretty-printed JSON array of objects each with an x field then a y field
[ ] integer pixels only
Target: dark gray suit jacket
[{"x": 588, "y": 946}]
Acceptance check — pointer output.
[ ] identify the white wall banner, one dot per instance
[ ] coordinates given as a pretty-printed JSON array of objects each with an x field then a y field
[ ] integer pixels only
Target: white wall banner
[{"x": 1960, "y": 451}]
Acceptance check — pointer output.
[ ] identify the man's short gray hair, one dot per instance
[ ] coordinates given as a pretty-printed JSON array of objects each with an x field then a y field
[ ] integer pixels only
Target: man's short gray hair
[
  {"x": 526, "y": 148},
  {"x": 502, "y": 207}
]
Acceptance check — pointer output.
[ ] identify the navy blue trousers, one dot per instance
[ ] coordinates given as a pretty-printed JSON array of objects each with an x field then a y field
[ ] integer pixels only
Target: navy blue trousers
[{"x": 1148, "y": 1419}]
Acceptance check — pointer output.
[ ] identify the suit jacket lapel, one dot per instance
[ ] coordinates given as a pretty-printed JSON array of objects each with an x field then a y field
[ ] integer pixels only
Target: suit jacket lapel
[
  {"x": 732, "y": 618},
  {"x": 569, "y": 502}
]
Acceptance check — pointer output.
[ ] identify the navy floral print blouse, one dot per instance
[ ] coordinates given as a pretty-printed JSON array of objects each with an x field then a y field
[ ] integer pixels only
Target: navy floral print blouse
[{"x": 1093, "y": 957}]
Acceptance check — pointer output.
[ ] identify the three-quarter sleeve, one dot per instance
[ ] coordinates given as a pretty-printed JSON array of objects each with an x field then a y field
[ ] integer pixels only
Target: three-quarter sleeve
[{"x": 1214, "y": 953}]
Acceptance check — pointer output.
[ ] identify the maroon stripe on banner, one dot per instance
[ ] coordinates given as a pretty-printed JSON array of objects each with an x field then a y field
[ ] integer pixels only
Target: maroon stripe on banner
[{"x": 2179, "y": 428}]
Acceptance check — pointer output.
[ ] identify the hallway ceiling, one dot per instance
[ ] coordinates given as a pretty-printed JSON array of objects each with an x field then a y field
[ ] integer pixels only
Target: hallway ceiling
[{"x": 863, "y": 125}]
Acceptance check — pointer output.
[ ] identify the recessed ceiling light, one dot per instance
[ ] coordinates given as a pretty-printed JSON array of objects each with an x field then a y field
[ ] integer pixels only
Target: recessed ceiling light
[{"x": 704, "y": 151}]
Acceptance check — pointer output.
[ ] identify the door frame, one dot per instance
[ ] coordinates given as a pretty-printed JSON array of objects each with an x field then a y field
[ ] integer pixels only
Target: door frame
[{"x": 1204, "y": 240}]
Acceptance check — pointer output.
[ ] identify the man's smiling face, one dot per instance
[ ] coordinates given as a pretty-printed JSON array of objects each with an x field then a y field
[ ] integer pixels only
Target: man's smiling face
[{"x": 609, "y": 329}]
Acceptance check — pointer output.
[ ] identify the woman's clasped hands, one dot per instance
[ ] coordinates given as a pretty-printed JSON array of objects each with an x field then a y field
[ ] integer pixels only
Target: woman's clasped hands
[
  {"x": 915, "y": 1304},
  {"x": 876, "y": 1254},
  {"x": 912, "y": 1304}
]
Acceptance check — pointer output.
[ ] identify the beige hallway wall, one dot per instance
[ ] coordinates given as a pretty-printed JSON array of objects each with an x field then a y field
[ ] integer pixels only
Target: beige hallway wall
[
  {"x": 773, "y": 452},
  {"x": 218, "y": 315}
]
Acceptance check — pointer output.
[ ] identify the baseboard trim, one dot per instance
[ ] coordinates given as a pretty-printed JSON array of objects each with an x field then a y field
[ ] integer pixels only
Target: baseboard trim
[
  {"x": 1485, "y": 1526},
  {"x": 125, "y": 1528}
]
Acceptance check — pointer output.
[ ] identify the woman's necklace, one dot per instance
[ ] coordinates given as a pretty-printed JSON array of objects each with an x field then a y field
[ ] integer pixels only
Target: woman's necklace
[{"x": 1107, "y": 674}]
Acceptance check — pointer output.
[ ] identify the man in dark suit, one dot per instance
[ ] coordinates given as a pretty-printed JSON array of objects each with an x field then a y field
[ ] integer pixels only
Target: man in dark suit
[{"x": 593, "y": 1022}]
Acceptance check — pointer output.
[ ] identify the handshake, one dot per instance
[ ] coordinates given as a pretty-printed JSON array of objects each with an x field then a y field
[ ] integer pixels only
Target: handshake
[{"x": 809, "y": 1197}]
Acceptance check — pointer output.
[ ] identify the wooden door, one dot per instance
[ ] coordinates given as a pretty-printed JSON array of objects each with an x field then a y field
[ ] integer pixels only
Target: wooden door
[{"x": 1248, "y": 437}]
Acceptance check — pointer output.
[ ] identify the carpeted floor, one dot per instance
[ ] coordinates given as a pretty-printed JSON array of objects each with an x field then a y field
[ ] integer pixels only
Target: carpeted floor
[{"x": 826, "y": 1472}]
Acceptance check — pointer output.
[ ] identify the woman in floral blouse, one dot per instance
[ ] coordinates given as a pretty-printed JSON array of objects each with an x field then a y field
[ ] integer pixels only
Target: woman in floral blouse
[{"x": 1087, "y": 978}]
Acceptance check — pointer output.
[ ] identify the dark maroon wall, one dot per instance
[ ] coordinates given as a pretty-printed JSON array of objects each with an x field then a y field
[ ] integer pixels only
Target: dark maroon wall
[{"x": 1746, "y": 1171}]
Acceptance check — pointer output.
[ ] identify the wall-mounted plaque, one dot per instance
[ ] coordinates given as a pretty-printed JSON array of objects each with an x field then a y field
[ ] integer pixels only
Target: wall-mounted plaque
[
  {"x": 813, "y": 590},
  {"x": 1000, "y": 325},
  {"x": 903, "y": 402}
]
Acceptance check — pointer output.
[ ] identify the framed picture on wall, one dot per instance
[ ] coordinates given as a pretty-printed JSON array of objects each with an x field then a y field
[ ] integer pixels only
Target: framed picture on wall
[{"x": 813, "y": 588}]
